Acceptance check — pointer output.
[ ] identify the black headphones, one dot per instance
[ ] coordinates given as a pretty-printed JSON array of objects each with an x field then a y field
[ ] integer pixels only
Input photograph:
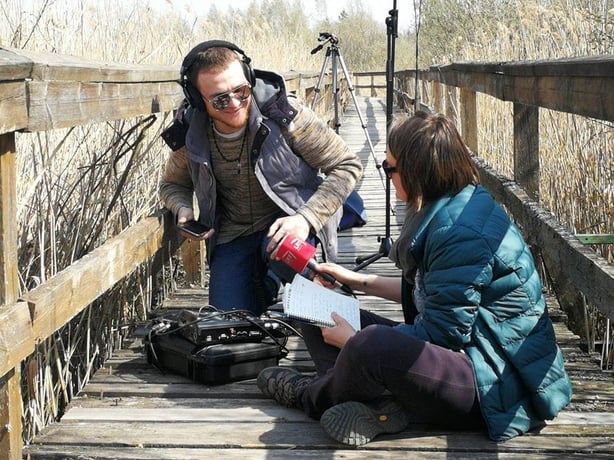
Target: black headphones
[{"x": 192, "y": 94}]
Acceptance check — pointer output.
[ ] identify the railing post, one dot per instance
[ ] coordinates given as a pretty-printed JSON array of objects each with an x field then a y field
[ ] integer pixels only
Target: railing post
[
  {"x": 9, "y": 286},
  {"x": 10, "y": 388},
  {"x": 469, "y": 119},
  {"x": 437, "y": 97},
  {"x": 451, "y": 109},
  {"x": 193, "y": 256},
  {"x": 526, "y": 148},
  {"x": 10, "y": 415}
]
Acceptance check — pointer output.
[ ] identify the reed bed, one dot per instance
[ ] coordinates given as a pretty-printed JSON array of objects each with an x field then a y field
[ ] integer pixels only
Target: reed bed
[{"x": 576, "y": 160}]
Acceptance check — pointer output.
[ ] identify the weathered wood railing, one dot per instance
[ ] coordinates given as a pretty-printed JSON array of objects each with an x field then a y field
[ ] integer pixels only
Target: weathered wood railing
[
  {"x": 582, "y": 86},
  {"x": 43, "y": 92}
]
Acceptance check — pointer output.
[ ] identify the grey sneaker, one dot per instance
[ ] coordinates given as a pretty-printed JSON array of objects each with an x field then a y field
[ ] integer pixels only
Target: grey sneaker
[
  {"x": 356, "y": 423},
  {"x": 282, "y": 384}
]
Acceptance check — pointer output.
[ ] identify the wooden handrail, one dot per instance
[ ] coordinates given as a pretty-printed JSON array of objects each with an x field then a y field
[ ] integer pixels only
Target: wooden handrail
[{"x": 583, "y": 86}]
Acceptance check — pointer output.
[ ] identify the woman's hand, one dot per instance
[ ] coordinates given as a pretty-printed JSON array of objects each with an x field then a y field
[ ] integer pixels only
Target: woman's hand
[
  {"x": 338, "y": 335},
  {"x": 341, "y": 274}
]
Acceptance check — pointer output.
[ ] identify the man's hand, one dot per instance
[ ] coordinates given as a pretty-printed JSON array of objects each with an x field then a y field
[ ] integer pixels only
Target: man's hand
[
  {"x": 184, "y": 214},
  {"x": 338, "y": 335},
  {"x": 291, "y": 225}
]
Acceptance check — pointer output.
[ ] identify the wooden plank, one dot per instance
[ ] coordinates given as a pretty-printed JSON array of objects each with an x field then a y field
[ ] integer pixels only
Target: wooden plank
[
  {"x": 9, "y": 284},
  {"x": 10, "y": 374},
  {"x": 13, "y": 109},
  {"x": 53, "y": 303},
  {"x": 266, "y": 410},
  {"x": 526, "y": 148},
  {"x": 62, "y": 104},
  {"x": 13, "y": 66},
  {"x": 469, "y": 118},
  {"x": 189, "y": 453},
  {"x": 587, "y": 96},
  {"x": 114, "y": 387},
  {"x": 194, "y": 257},
  {"x": 587, "y": 91},
  {"x": 10, "y": 415},
  {"x": 20, "y": 64},
  {"x": 283, "y": 434},
  {"x": 438, "y": 103},
  {"x": 17, "y": 340},
  {"x": 451, "y": 104},
  {"x": 95, "y": 273}
]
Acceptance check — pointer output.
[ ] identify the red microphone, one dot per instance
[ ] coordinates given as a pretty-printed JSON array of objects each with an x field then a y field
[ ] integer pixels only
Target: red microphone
[{"x": 298, "y": 255}]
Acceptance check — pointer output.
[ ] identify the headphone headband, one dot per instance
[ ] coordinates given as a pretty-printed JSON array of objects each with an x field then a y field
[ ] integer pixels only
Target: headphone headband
[
  {"x": 204, "y": 46},
  {"x": 191, "y": 92}
]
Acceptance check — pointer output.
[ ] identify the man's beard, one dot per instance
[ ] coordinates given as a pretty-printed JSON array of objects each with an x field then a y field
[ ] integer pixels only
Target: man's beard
[{"x": 231, "y": 122}]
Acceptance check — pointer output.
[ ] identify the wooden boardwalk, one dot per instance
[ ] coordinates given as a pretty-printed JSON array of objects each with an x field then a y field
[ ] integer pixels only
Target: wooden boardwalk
[{"x": 130, "y": 410}]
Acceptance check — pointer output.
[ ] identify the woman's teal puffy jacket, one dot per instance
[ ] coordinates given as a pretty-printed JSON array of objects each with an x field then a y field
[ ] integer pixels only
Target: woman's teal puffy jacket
[{"x": 483, "y": 295}]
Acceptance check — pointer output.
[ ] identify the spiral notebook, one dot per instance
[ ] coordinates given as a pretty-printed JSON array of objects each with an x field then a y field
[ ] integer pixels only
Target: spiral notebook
[{"x": 305, "y": 300}]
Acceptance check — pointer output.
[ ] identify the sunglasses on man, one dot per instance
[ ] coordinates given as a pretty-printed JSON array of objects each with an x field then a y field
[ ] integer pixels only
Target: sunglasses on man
[{"x": 221, "y": 101}]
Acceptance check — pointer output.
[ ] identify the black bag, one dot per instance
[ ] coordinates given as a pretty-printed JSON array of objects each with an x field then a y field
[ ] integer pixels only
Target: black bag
[
  {"x": 211, "y": 364},
  {"x": 224, "y": 363}
]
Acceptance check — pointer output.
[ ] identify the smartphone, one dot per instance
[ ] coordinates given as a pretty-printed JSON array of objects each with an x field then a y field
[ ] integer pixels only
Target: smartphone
[{"x": 195, "y": 230}]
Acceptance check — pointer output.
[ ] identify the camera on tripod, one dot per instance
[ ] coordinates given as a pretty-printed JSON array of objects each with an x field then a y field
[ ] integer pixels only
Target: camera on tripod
[
  {"x": 327, "y": 36},
  {"x": 324, "y": 38}
]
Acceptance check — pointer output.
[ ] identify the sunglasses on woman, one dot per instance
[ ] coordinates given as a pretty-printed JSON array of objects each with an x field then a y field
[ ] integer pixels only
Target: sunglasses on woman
[
  {"x": 389, "y": 170},
  {"x": 221, "y": 101}
]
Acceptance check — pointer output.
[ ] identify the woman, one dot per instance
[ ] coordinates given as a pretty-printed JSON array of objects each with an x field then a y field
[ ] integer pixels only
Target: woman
[{"x": 477, "y": 347}]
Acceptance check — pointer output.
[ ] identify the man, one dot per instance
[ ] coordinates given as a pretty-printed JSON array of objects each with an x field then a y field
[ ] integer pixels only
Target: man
[{"x": 262, "y": 166}]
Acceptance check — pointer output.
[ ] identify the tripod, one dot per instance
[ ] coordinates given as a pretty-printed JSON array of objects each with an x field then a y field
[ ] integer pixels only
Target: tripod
[
  {"x": 386, "y": 241},
  {"x": 332, "y": 52}
]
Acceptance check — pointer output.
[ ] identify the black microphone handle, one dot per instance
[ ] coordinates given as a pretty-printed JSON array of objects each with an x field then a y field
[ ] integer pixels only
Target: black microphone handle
[{"x": 313, "y": 265}]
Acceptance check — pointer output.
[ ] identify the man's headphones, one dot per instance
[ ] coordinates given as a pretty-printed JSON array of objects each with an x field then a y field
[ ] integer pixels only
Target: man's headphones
[{"x": 192, "y": 94}]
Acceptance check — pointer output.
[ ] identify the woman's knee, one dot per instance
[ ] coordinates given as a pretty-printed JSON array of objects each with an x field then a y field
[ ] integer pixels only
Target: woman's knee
[{"x": 371, "y": 340}]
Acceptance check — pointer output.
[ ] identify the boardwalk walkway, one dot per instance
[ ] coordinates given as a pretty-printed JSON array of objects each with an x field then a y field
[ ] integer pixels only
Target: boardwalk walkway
[{"x": 130, "y": 410}]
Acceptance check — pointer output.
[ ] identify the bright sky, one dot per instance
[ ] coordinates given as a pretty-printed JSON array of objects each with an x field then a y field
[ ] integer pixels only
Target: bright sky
[{"x": 379, "y": 8}]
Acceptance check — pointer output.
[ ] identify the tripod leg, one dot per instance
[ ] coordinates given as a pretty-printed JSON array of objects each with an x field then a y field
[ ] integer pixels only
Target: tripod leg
[
  {"x": 386, "y": 242},
  {"x": 362, "y": 121},
  {"x": 316, "y": 95},
  {"x": 335, "y": 91}
]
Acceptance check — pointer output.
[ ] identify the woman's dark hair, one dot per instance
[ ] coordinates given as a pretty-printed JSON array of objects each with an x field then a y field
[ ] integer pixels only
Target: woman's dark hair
[{"x": 431, "y": 157}]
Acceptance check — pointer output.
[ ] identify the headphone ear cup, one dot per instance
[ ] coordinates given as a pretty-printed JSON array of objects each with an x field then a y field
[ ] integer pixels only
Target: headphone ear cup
[
  {"x": 248, "y": 71},
  {"x": 193, "y": 96}
]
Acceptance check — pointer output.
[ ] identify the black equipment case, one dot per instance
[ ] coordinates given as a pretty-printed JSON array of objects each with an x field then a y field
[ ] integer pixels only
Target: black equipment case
[
  {"x": 211, "y": 364},
  {"x": 223, "y": 363}
]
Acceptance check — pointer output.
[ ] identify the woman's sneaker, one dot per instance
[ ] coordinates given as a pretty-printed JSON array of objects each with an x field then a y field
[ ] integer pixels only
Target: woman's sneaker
[
  {"x": 283, "y": 384},
  {"x": 356, "y": 423}
]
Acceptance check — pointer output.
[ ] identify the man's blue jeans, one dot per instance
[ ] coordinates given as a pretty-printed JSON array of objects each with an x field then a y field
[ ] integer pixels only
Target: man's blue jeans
[{"x": 242, "y": 276}]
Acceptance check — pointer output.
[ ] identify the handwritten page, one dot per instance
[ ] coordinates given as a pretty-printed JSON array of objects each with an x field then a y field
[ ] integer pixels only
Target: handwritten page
[{"x": 305, "y": 300}]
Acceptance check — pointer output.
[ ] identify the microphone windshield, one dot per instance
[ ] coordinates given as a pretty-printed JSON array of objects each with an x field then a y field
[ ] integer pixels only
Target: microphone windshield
[{"x": 295, "y": 253}]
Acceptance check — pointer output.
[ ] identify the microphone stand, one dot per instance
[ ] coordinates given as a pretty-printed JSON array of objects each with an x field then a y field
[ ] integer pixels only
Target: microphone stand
[{"x": 392, "y": 33}]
